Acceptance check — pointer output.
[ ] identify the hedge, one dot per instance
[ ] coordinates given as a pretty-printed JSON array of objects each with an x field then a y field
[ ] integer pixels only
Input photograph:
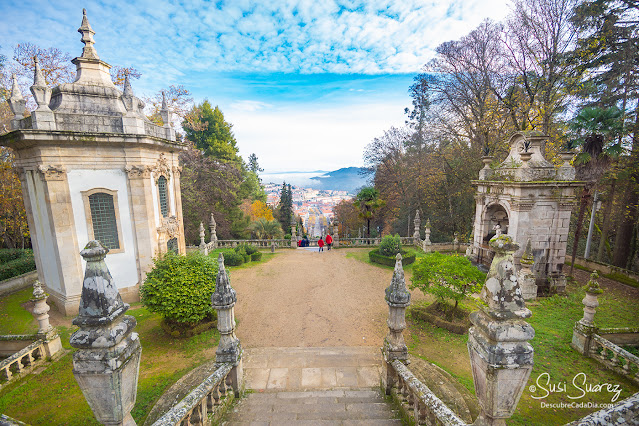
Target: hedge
[
  {"x": 256, "y": 256},
  {"x": 408, "y": 257},
  {"x": 248, "y": 248},
  {"x": 7, "y": 255},
  {"x": 233, "y": 258},
  {"x": 19, "y": 265}
]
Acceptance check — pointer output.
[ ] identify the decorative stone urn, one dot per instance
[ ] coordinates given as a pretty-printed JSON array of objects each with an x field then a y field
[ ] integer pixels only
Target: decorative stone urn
[
  {"x": 107, "y": 361},
  {"x": 585, "y": 328},
  {"x": 500, "y": 355},
  {"x": 486, "y": 172}
]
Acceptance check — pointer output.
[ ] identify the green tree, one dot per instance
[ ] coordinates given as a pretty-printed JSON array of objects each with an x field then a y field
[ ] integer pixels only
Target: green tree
[
  {"x": 368, "y": 202},
  {"x": 285, "y": 207},
  {"x": 211, "y": 133},
  {"x": 253, "y": 165},
  {"x": 448, "y": 278},
  {"x": 266, "y": 229}
]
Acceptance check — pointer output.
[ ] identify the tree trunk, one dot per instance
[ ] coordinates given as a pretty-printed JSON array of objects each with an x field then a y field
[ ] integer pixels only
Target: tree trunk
[
  {"x": 606, "y": 221},
  {"x": 631, "y": 198},
  {"x": 585, "y": 195}
]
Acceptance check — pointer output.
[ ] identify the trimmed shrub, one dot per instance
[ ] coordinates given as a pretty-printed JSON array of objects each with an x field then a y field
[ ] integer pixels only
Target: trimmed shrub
[
  {"x": 179, "y": 288},
  {"x": 256, "y": 256},
  {"x": 232, "y": 258},
  {"x": 408, "y": 257},
  {"x": 448, "y": 278},
  {"x": 248, "y": 248},
  {"x": 390, "y": 245},
  {"x": 19, "y": 262}
]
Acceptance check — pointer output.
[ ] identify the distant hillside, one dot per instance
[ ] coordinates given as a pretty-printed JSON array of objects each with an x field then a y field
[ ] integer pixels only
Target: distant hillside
[{"x": 347, "y": 179}]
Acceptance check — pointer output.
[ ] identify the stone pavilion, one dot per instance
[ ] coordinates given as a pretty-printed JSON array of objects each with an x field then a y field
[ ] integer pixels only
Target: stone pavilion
[
  {"x": 93, "y": 167},
  {"x": 527, "y": 197}
]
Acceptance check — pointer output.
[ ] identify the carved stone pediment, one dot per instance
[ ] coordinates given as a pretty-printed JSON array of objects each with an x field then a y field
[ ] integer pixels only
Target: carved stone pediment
[{"x": 162, "y": 168}]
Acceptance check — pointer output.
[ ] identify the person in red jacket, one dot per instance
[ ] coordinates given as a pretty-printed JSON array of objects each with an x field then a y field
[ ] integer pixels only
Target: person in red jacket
[
  {"x": 320, "y": 243},
  {"x": 329, "y": 241}
]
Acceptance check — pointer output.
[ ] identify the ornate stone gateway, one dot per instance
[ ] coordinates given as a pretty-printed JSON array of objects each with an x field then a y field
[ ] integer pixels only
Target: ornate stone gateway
[
  {"x": 93, "y": 167},
  {"x": 527, "y": 197}
]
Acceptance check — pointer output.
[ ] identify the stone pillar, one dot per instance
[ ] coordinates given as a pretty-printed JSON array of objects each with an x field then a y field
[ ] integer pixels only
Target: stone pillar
[
  {"x": 585, "y": 327},
  {"x": 471, "y": 242},
  {"x": 107, "y": 360},
  {"x": 142, "y": 208},
  {"x": 335, "y": 233},
  {"x": 426, "y": 243},
  {"x": 417, "y": 223},
  {"x": 17, "y": 104},
  {"x": 212, "y": 228},
  {"x": 229, "y": 348},
  {"x": 398, "y": 299},
  {"x": 526, "y": 278},
  {"x": 500, "y": 355},
  {"x": 203, "y": 248},
  {"x": 455, "y": 242},
  {"x": 46, "y": 333}
]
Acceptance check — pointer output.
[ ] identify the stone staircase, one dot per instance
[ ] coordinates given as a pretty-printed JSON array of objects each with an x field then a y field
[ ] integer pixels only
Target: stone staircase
[{"x": 337, "y": 386}]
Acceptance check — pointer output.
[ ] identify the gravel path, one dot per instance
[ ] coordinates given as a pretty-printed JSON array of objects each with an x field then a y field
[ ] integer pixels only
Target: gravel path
[{"x": 304, "y": 298}]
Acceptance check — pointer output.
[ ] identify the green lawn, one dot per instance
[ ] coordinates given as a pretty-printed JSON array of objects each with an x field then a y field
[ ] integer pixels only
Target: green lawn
[
  {"x": 14, "y": 319},
  {"x": 553, "y": 319},
  {"x": 53, "y": 396}
]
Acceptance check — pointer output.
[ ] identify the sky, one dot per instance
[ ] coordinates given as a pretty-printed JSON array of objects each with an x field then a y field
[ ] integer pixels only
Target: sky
[{"x": 307, "y": 84}]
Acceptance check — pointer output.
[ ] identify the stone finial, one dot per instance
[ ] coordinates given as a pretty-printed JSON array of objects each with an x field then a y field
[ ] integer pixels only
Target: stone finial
[
  {"x": 46, "y": 332},
  {"x": 398, "y": 299},
  {"x": 38, "y": 291},
  {"x": 164, "y": 112},
  {"x": 396, "y": 292},
  {"x": 224, "y": 295},
  {"x": 212, "y": 224},
  {"x": 42, "y": 94},
  {"x": 501, "y": 291},
  {"x": 592, "y": 286},
  {"x": 164, "y": 106},
  {"x": 100, "y": 302},
  {"x": 527, "y": 258},
  {"x": 128, "y": 90},
  {"x": 16, "y": 102},
  {"x": 585, "y": 328},
  {"x": 212, "y": 227},
  {"x": 87, "y": 38},
  {"x": 38, "y": 78},
  {"x": 500, "y": 355},
  {"x": 107, "y": 361},
  {"x": 417, "y": 223},
  {"x": 223, "y": 301}
]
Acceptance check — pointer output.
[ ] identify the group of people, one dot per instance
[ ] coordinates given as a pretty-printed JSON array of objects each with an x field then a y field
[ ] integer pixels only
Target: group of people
[{"x": 304, "y": 242}]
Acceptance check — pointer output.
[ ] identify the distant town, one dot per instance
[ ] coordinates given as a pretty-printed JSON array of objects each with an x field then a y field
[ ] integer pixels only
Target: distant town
[{"x": 314, "y": 206}]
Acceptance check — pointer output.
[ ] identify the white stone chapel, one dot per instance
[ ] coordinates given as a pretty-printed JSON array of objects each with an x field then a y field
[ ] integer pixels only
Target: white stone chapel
[{"x": 92, "y": 166}]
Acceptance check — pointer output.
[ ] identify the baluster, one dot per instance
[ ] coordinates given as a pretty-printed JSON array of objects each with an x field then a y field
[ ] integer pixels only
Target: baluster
[
  {"x": 416, "y": 405},
  {"x": 229, "y": 382},
  {"x": 625, "y": 365},
  {"x": 423, "y": 412},
  {"x": 432, "y": 420},
  {"x": 195, "y": 417},
  {"x": 210, "y": 402},
  {"x": 615, "y": 359},
  {"x": 7, "y": 373},
  {"x": 19, "y": 366},
  {"x": 30, "y": 359},
  {"x": 216, "y": 395},
  {"x": 411, "y": 399},
  {"x": 187, "y": 420},
  {"x": 222, "y": 388}
]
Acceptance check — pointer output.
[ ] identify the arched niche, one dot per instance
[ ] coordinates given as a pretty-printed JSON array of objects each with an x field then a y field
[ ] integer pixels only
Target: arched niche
[{"x": 494, "y": 215}]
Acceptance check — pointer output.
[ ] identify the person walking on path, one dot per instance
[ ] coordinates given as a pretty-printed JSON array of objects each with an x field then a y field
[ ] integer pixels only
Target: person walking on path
[
  {"x": 329, "y": 242},
  {"x": 320, "y": 243}
]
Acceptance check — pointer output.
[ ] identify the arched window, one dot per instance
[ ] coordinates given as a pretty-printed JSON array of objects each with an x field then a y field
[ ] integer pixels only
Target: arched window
[
  {"x": 163, "y": 196},
  {"x": 105, "y": 228}
]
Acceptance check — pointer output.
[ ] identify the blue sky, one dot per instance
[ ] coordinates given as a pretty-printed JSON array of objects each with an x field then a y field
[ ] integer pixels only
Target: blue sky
[{"x": 306, "y": 84}]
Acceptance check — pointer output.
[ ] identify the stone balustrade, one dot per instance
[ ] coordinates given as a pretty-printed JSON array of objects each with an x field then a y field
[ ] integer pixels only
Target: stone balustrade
[
  {"x": 622, "y": 413},
  {"x": 22, "y": 361},
  {"x": 417, "y": 398},
  {"x": 201, "y": 403},
  {"x": 615, "y": 358}
]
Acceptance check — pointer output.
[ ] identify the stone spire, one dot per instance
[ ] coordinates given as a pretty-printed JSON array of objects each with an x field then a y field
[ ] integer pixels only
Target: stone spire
[
  {"x": 87, "y": 38},
  {"x": 128, "y": 90},
  {"x": 16, "y": 103},
  {"x": 38, "y": 78},
  {"x": 396, "y": 292}
]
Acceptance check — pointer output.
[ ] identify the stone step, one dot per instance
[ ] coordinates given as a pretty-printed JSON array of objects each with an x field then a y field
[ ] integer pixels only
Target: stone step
[{"x": 335, "y": 407}]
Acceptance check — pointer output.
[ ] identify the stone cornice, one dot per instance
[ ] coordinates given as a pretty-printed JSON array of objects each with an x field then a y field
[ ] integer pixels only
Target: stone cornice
[
  {"x": 530, "y": 184},
  {"x": 27, "y": 138}
]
